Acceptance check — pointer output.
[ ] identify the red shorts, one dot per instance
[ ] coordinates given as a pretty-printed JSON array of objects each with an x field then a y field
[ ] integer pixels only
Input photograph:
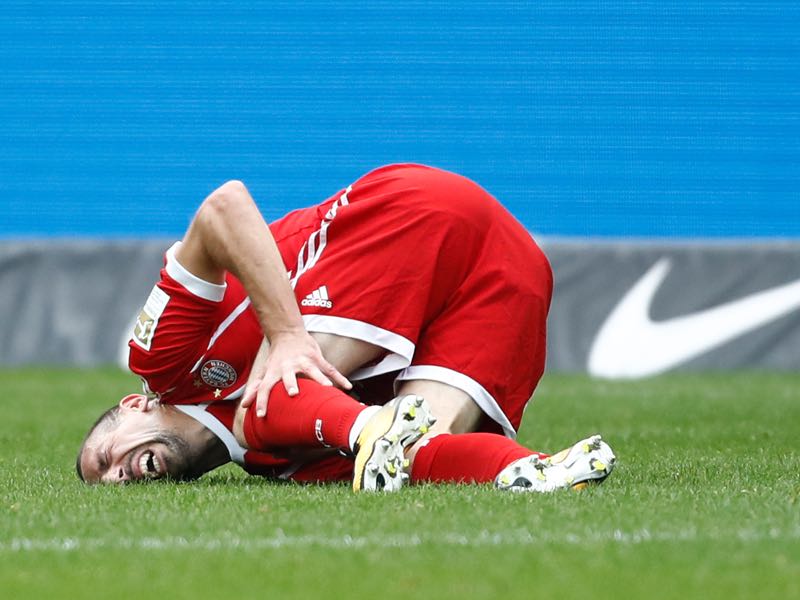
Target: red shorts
[
  {"x": 420, "y": 262},
  {"x": 427, "y": 265}
]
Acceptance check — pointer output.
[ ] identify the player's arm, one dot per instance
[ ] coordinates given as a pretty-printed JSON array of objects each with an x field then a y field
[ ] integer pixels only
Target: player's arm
[{"x": 228, "y": 233}]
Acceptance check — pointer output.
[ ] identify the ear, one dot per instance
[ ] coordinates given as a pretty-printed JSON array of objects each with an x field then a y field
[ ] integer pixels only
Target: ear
[{"x": 137, "y": 402}]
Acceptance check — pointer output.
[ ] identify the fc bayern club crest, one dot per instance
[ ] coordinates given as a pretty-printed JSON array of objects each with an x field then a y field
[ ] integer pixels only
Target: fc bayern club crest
[{"x": 218, "y": 374}]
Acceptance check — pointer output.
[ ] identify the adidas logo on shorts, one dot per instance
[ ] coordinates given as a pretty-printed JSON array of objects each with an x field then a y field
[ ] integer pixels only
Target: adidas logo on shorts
[{"x": 318, "y": 297}]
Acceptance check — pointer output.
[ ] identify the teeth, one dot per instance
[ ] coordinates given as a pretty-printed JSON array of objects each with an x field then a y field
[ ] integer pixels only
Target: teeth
[{"x": 145, "y": 467}]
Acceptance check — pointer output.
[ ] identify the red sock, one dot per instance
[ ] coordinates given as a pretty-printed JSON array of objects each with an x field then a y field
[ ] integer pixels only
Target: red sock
[
  {"x": 318, "y": 416},
  {"x": 466, "y": 458}
]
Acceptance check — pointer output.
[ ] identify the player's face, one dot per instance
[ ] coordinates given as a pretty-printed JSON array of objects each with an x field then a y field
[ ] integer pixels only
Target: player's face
[{"x": 141, "y": 445}]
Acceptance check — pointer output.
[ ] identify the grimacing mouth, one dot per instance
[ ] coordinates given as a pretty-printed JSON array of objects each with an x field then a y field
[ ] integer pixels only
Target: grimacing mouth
[
  {"x": 148, "y": 464},
  {"x": 151, "y": 463}
]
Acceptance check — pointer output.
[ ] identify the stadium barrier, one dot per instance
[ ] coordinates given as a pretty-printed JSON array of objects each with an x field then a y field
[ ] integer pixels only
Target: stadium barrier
[{"x": 620, "y": 309}]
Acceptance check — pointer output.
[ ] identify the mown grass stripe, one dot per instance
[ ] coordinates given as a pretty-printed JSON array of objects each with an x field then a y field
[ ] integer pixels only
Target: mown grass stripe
[{"x": 484, "y": 538}]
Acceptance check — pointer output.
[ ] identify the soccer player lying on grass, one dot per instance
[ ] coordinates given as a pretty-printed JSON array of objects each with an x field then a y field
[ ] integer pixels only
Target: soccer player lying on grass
[{"x": 411, "y": 274}]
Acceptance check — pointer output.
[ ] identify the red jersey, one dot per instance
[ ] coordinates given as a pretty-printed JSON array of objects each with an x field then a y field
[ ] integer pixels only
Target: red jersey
[{"x": 418, "y": 261}]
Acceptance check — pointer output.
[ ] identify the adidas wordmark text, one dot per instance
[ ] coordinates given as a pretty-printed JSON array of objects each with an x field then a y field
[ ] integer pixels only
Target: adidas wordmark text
[{"x": 318, "y": 297}]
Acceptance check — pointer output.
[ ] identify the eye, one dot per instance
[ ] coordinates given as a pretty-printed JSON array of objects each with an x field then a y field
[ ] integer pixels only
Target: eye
[{"x": 102, "y": 461}]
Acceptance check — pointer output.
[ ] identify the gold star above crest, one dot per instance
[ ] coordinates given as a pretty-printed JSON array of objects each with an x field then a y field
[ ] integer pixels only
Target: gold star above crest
[{"x": 217, "y": 393}]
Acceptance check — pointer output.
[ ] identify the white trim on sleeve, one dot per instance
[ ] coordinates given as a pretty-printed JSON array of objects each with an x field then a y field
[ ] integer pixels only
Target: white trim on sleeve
[
  {"x": 199, "y": 287},
  {"x": 458, "y": 380},
  {"x": 199, "y": 413},
  {"x": 401, "y": 349}
]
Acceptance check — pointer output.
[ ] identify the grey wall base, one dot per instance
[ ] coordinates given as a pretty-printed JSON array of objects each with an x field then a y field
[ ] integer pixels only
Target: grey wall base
[{"x": 620, "y": 309}]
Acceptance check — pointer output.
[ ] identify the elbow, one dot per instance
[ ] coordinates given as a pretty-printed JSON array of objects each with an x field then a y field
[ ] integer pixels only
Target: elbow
[
  {"x": 233, "y": 188},
  {"x": 229, "y": 195},
  {"x": 224, "y": 202}
]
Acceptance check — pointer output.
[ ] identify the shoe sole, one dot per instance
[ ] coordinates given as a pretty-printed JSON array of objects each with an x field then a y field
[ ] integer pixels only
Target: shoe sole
[
  {"x": 380, "y": 464},
  {"x": 601, "y": 461},
  {"x": 589, "y": 461}
]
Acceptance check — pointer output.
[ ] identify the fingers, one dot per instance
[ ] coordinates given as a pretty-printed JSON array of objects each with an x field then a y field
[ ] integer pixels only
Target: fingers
[
  {"x": 315, "y": 374},
  {"x": 250, "y": 393},
  {"x": 327, "y": 374},
  {"x": 339, "y": 379},
  {"x": 284, "y": 366},
  {"x": 262, "y": 396},
  {"x": 290, "y": 382}
]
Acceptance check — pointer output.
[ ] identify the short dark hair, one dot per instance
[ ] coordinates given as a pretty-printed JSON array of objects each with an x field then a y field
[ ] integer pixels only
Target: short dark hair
[{"x": 108, "y": 418}]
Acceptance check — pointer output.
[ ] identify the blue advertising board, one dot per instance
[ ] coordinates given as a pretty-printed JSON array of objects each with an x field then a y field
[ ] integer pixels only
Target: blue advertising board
[{"x": 611, "y": 119}]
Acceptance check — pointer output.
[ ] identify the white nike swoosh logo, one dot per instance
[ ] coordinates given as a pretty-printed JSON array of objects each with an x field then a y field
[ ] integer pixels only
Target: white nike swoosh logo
[{"x": 630, "y": 344}]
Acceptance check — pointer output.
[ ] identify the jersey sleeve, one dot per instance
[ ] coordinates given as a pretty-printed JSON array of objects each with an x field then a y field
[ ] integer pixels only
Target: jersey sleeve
[{"x": 174, "y": 327}]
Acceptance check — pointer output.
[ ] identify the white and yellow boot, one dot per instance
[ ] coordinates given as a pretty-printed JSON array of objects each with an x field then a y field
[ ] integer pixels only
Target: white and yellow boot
[
  {"x": 380, "y": 448},
  {"x": 589, "y": 461}
]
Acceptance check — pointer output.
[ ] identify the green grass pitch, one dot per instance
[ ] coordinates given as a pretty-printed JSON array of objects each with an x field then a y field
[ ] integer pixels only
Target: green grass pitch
[{"x": 704, "y": 503}]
